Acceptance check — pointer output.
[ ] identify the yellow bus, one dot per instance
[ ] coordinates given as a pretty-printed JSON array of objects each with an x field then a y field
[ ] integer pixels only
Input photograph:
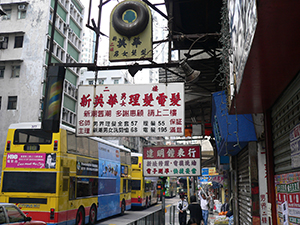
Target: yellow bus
[
  {"x": 143, "y": 191},
  {"x": 60, "y": 178}
]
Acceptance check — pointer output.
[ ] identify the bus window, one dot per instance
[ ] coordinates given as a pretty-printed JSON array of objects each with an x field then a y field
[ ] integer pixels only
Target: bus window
[
  {"x": 129, "y": 185},
  {"x": 135, "y": 185},
  {"x": 124, "y": 171},
  {"x": 124, "y": 186},
  {"x": 32, "y": 182},
  {"x": 107, "y": 186},
  {"x": 72, "y": 188},
  {"x": 134, "y": 160},
  {"x": 33, "y": 136}
]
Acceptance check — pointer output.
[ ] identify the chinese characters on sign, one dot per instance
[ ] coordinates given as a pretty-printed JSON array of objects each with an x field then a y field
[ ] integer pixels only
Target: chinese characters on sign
[
  {"x": 288, "y": 190},
  {"x": 31, "y": 160},
  {"x": 172, "y": 161},
  {"x": 131, "y": 110}
]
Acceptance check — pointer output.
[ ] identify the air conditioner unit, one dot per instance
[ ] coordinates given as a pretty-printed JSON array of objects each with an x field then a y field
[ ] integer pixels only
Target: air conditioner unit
[
  {"x": 2, "y": 38},
  {"x": 22, "y": 7}
]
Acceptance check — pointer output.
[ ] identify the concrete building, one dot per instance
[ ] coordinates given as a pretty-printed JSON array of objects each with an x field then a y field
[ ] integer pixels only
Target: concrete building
[{"x": 24, "y": 46}]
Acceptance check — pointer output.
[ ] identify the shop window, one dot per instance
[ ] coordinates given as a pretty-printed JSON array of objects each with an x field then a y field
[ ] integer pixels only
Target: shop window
[{"x": 12, "y": 102}]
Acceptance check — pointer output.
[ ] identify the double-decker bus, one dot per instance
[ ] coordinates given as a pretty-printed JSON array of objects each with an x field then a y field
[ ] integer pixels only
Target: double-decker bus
[
  {"x": 171, "y": 187},
  {"x": 61, "y": 178},
  {"x": 144, "y": 189}
]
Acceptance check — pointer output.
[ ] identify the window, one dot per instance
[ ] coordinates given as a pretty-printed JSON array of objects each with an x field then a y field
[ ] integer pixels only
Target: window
[
  {"x": 2, "y": 69},
  {"x": 18, "y": 41},
  {"x": 15, "y": 71},
  {"x": 8, "y": 14},
  {"x": 90, "y": 82},
  {"x": 116, "y": 81},
  {"x": 21, "y": 14},
  {"x": 4, "y": 43},
  {"x": 0, "y": 101},
  {"x": 12, "y": 102},
  {"x": 101, "y": 81},
  {"x": 40, "y": 182}
]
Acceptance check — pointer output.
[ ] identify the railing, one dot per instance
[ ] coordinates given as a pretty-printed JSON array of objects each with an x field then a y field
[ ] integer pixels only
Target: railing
[
  {"x": 155, "y": 218},
  {"x": 158, "y": 217}
]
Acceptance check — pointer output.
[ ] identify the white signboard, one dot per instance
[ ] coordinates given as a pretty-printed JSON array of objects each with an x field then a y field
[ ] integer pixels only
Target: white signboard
[
  {"x": 295, "y": 146},
  {"x": 131, "y": 110},
  {"x": 174, "y": 161},
  {"x": 263, "y": 190}
]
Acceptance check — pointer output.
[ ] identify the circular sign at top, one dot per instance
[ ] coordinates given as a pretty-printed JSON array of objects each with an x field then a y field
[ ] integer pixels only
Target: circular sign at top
[{"x": 129, "y": 16}]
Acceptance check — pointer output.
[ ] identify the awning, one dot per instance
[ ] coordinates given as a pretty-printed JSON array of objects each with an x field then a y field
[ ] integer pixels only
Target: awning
[{"x": 232, "y": 132}]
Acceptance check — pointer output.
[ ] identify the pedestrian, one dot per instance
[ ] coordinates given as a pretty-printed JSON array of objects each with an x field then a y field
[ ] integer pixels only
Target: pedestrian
[
  {"x": 204, "y": 202},
  {"x": 182, "y": 206},
  {"x": 195, "y": 210}
]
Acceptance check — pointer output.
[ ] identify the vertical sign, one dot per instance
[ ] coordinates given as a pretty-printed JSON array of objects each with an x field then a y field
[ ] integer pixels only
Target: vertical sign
[
  {"x": 262, "y": 176},
  {"x": 131, "y": 110},
  {"x": 172, "y": 161}
]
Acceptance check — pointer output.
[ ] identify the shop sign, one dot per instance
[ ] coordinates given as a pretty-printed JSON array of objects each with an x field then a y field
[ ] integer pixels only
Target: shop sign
[
  {"x": 262, "y": 176},
  {"x": 131, "y": 110},
  {"x": 287, "y": 188},
  {"x": 175, "y": 161},
  {"x": 295, "y": 146}
]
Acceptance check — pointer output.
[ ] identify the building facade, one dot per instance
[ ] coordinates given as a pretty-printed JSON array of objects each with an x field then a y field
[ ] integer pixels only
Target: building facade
[{"x": 24, "y": 48}]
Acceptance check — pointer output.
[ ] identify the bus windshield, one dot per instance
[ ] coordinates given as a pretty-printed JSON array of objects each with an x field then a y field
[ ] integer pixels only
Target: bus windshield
[{"x": 32, "y": 136}]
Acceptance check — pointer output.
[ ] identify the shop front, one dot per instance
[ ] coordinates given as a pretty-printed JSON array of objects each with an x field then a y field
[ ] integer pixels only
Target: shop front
[{"x": 236, "y": 139}]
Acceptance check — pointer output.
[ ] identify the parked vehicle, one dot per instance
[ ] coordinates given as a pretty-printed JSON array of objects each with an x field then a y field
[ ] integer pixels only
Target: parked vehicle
[{"x": 11, "y": 214}]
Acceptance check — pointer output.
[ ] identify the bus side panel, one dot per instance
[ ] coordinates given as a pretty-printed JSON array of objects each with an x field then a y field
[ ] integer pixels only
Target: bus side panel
[{"x": 109, "y": 205}]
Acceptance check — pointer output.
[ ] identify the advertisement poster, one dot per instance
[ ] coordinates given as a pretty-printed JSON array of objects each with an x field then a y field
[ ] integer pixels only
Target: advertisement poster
[
  {"x": 31, "y": 160},
  {"x": 288, "y": 198},
  {"x": 295, "y": 146},
  {"x": 177, "y": 161},
  {"x": 131, "y": 110}
]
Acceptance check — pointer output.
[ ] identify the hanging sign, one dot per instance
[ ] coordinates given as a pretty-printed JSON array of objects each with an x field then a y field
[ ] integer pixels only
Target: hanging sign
[
  {"x": 172, "y": 161},
  {"x": 131, "y": 110}
]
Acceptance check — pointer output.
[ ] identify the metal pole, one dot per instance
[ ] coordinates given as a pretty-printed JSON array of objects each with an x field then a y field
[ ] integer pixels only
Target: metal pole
[{"x": 163, "y": 207}]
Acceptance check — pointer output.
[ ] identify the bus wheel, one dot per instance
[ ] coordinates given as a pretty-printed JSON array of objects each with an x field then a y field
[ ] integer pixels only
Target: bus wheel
[
  {"x": 93, "y": 215},
  {"x": 123, "y": 207},
  {"x": 80, "y": 217}
]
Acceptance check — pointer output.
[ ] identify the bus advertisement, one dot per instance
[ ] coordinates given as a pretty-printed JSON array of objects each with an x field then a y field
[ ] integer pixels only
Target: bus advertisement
[
  {"x": 61, "y": 179},
  {"x": 144, "y": 189}
]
